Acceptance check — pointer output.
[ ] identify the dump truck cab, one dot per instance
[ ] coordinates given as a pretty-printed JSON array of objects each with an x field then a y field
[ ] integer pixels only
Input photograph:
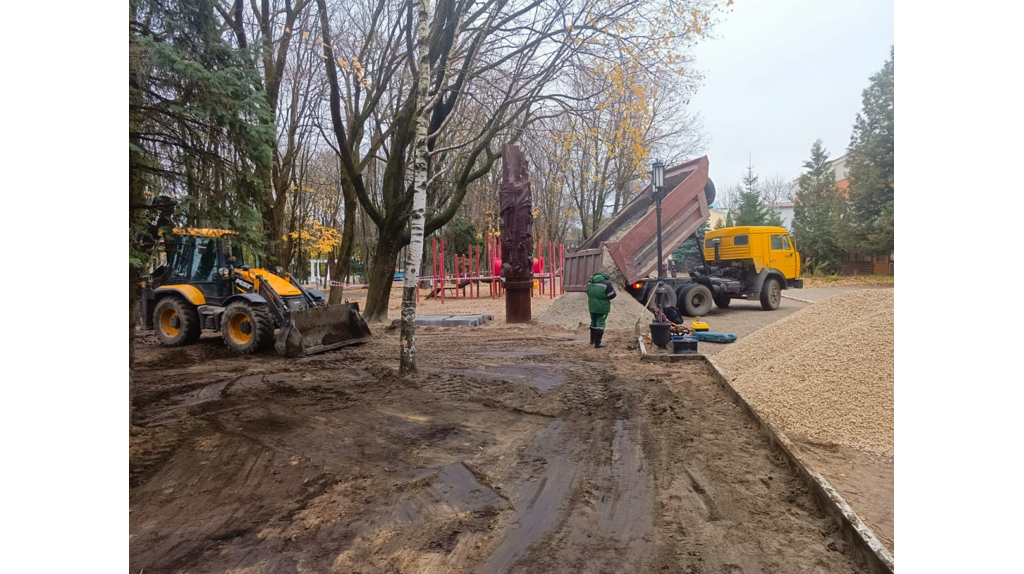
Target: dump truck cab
[
  {"x": 751, "y": 262},
  {"x": 757, "y": 249},
  {"x": 200, "y": 282}
]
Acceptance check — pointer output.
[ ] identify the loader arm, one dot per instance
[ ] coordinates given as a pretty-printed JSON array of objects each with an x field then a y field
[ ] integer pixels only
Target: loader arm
[{"x": 315, "y": 329}]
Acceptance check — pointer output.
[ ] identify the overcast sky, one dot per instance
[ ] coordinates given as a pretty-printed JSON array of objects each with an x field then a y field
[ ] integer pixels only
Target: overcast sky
[{"x": 781, "y": 73}]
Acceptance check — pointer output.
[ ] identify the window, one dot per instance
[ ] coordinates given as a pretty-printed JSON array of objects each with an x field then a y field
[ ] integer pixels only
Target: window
[
  {"x": 741, "y": 240},
  {"x": 179, "y": 252},
  {"x": 780, "y": 242},
  {"x": 204, "y": 259}
]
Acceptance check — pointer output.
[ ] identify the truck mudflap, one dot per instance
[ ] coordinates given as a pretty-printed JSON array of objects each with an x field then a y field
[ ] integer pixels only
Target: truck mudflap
[
  {"x": 794, "y": 283},
  {"x": 321, "y": 329}
]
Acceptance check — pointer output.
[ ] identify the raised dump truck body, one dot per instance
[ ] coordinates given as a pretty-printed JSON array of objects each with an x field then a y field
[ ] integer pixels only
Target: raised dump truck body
[
  {"x": 754, "y": 263},
  {"x": 630, "y": 236}
]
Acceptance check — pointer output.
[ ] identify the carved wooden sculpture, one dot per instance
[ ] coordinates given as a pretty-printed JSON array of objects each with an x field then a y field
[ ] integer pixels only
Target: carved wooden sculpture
[{"x": 516, "y": 234}]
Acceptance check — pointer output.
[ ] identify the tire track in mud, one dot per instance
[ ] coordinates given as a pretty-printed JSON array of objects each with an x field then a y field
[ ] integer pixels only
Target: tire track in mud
[{"x": 336, "y": 464}]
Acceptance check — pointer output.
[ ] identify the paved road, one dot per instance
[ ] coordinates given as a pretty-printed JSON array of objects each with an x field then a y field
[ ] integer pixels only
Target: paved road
[
  {"x": 743, "y": 318},
  {"x": 821, "y": 293}
]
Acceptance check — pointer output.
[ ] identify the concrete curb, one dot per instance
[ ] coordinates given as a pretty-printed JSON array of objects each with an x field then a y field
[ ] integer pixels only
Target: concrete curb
[
  {"x": 798, "y": 299},
  {"x": 855, "y": 532}
]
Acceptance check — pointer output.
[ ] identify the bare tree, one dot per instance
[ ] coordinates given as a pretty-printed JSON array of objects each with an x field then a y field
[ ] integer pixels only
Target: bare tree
[
  {"x": 777, "y": 189},
  {"x": 494, "y": 67}
]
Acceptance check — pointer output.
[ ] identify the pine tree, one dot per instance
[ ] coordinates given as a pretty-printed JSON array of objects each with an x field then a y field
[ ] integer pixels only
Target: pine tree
[
  {"x": 688, "y": 254},
  {"x": 818, "y": 213},
  {"x": 872, "y": 166},
  {"x": 751, "y": 209}
]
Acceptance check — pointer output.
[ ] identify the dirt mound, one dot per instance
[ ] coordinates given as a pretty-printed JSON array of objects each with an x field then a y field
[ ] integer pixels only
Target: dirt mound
[
  {"x": 825, "y": 373},
  {"x": 571, "y": 311}
]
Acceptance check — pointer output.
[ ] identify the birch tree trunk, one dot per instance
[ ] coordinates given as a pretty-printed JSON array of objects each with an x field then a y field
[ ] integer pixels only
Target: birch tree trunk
[{"x": 419, "y": 200}]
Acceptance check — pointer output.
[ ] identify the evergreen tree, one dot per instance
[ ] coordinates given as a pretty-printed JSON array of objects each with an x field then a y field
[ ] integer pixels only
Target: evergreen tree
[
  {"x": 872, "y": 165},
  {"x": 688, "y": 254},
  {"x": 721, "y": 223},
  {"x": 818, "y": 214},
  {"x": 751, "y": 209},
  {"x": 198, "y": 125}
]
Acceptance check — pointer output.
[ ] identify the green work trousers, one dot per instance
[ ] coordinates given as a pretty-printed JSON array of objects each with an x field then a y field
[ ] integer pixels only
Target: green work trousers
[{"x": 597, "y": 320}]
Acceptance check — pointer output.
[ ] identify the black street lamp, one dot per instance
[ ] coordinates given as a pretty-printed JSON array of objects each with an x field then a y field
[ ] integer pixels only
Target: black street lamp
[{"x": 659, "y": 329}]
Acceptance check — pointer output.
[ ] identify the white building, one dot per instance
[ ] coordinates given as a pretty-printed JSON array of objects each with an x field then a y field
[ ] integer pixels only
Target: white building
[{"x": 786, "y": 211}]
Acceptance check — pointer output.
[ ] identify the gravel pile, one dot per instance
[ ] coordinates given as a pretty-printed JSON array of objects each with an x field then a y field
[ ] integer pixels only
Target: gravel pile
[
  {"x": 825, "y": 373},
  {"x": 570, "y": 310}
]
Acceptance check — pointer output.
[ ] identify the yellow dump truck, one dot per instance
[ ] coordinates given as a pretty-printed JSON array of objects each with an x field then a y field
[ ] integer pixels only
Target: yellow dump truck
[{"x": 754, "y": 263}]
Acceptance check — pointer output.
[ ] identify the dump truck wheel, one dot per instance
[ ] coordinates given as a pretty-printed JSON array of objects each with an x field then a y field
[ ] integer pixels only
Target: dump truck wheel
[
  {"x": 697, "y": 301},
  {"x": 771, "y": 294},
  {"x": 176, "y": 322},
  {"x": 247, "y": 328},
  {"x": 722, "y": 301}
]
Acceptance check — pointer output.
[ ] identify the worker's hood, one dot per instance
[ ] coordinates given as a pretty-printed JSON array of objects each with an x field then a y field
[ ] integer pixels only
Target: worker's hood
[{"x": 598, "y": 277}]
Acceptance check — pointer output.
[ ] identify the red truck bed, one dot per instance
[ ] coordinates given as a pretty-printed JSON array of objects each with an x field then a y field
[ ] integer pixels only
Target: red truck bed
[{"x": 631, "y": 234}]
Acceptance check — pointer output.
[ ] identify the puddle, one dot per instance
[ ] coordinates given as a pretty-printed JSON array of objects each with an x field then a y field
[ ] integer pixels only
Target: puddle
[
  {"x": 538, "y": 500},
  {"x": 512, "y": 354},
  {"x": 452, "y": 490},
  {"x": 540, "y": 376},
  {"x": 208, "y": 393}
]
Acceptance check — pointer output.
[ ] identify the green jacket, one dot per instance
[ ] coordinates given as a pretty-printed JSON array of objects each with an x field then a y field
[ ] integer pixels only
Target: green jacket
[{"x": 600, "y": 293}]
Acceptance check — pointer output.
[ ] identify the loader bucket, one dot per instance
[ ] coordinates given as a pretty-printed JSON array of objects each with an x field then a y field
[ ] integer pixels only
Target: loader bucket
[{"x": 321, "y": 329}]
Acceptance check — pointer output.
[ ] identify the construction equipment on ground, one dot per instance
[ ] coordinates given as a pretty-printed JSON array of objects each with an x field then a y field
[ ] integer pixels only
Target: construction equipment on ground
[
  {"x": 201, "y": 283},
  {"x": 754, "y": 262}
]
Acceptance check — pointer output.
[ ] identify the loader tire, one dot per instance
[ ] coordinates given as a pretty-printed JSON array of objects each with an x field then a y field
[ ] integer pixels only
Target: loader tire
[
  {"x": 247, "y": 327},
  {"x": 771, "y": 294},
  {"x": 176, "y": 322}
]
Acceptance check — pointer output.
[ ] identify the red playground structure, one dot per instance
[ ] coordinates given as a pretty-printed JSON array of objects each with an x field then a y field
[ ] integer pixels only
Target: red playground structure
[{"x": 461, "y": 275}]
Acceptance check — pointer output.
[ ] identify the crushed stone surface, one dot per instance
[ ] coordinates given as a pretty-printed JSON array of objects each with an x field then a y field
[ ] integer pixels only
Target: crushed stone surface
[{"x": 825, "y": 373}]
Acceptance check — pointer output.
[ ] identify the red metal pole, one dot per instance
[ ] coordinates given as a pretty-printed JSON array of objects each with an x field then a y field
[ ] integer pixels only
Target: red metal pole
[
  {"x": 551, "y": 268},
  {"x": 543, "y": 268},
  {"x": 441, "y": 270}
]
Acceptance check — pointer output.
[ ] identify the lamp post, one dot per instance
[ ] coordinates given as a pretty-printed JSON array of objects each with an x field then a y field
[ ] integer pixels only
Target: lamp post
[
  {"x": 658, "y": 191},
  {"x": 659, "y": 328}
]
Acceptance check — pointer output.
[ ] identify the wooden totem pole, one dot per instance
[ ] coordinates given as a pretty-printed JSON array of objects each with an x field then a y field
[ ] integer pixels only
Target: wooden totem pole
[{"x": 516, "y": 234}]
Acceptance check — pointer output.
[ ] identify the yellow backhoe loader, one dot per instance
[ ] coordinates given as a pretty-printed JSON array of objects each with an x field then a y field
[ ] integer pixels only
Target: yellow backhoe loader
[{"x": 202, "y": 284}]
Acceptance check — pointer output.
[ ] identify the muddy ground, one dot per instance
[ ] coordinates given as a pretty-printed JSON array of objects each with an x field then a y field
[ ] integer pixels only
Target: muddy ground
[{"x": 516, "y": 449}]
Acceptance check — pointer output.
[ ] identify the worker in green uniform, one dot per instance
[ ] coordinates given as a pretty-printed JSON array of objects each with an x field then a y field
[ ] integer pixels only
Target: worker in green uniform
[{"x": 599, "y": 299}]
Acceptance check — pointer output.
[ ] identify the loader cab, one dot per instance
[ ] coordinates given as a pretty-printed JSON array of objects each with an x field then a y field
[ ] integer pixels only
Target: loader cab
[{"x": 200, "y": 259}]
